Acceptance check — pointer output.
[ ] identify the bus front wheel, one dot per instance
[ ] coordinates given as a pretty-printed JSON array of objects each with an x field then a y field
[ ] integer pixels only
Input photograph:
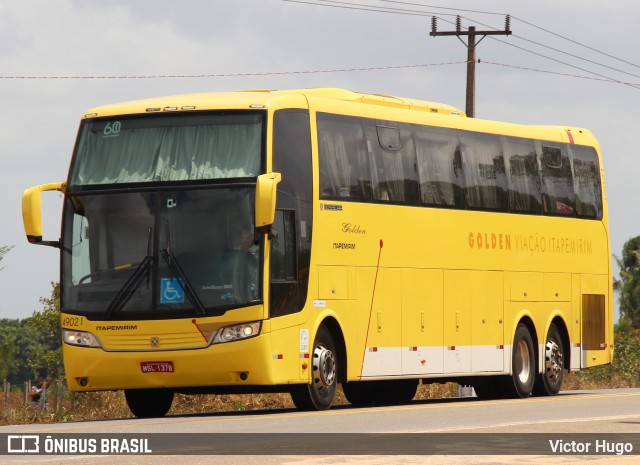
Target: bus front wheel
[
  {"x": 149, "y": 403},
  {"x": 324, "y": 365}
]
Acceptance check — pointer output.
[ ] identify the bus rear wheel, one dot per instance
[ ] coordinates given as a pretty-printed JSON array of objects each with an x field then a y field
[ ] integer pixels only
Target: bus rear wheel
[
  {"x": 320, "y": 393},
  {"x": 548, "y": 383},
  {"x": 149, "y": 403},
  {"x": 520, "y": 383}
]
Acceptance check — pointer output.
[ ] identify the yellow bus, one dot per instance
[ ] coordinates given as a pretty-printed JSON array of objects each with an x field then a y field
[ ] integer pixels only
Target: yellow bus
[{"x": 291, "y": 241}]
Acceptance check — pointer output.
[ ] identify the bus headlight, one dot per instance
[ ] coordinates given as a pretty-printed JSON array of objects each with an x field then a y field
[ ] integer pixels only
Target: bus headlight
[
  {"x": 237, "y": 332},
  {"x": 79, "y": 338}
]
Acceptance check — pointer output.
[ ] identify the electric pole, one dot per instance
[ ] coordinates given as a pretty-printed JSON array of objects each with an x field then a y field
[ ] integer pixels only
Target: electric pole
[{"x": 471, "y": 44}]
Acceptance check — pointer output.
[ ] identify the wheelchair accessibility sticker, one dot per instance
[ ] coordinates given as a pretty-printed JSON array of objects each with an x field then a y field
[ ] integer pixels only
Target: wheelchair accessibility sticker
[{"x": 171, "y": 291}]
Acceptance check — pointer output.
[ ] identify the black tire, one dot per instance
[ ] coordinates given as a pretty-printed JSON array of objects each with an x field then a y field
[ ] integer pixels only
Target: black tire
[
  {"x": 320, "y": 393},
  {"x": 549, "y": 382},
  {"x": 523, "y": 367},
  {"x": 149, "y": 403}
]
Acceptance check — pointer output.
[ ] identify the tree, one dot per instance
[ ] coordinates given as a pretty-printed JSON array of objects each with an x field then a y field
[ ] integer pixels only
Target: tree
[
  {"x": 17, "y": 342},
  {"x": 47, "y": 355},
  {"x": 626, "y": 360},
  {"x": 628, "y": 286},
  {"x": 3, "y": 251}
]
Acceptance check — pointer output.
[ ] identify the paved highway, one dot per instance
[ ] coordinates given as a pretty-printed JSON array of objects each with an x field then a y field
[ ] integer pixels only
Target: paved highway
[{"x": 589, "y": 419}]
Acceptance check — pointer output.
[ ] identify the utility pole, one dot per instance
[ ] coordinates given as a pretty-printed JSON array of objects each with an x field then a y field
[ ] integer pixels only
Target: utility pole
[{"x": 471, "y": 44}]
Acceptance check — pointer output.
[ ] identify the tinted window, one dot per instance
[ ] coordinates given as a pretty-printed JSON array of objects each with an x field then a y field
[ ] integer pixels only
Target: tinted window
[
  {"x": 160, "y": 254},
  {"x": 557, "y": 181},
  {"x": 392, "y": 162},
  {"x": 439, "y": 172},
  {"x": 283, "y": 256},
  {"x": 368, "y": 160},
  {"x": 150, "y": 148},
  {"x": 344, "y": 158},
  {"x": 587, "y": 181},
  {"x": 484, "y": 172},
  {"x": 291, "y": 158},
  {"x": 525, "y": 194}
]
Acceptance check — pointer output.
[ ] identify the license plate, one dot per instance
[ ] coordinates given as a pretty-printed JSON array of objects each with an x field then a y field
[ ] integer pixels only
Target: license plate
[{"x": 157, "y": 367}]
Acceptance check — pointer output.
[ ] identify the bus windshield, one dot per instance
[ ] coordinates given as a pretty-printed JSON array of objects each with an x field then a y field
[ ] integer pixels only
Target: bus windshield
[
  {"x": 160, "y": 254},
  {"x": 155, "y": 148}
]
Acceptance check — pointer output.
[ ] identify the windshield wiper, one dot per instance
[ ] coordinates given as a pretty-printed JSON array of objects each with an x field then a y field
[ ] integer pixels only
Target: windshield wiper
[
  {"x": 183, "y": 282},
  {"x": 176, "y": 269},
  {"x": 130, "y": 286},
  {"x": 132, "y": 283}
]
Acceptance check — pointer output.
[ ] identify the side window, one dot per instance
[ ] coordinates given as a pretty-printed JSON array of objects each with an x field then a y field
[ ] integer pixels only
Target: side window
[
  {"x": 344, "y": 165},
  {"x": 439, "y": 168},
  {"x": 525, "y": 194},
  {"x": 283, "y": 250},
  {"x": 291, "y": 244},
  {"x": 586, "y": 171},
  {"x": 558, "y": 197},
  {"x": 80, "y": 250},
  {"x": 484, "y": 172},
  {"x": 392, "y": 163}
]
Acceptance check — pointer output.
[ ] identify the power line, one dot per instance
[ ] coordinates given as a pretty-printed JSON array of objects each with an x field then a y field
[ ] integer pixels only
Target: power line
[
  {"x": 381, "y": 9},
  {"x": 378, "y": 9},
  {"x": 199, "y": 76},
  {"x": 364, "y": 7},
  {"x": 607, "y": 78},
  {"x": 576, "y": 56},
  {"x": 557, "y": 73},
  {"x": 576, "y": 42},
  {"x": 528, "y": 23},
  {"x": 441, "y": 7},
  {"x": 324, "y": 71},
  {"x": 561, "y": 52}
]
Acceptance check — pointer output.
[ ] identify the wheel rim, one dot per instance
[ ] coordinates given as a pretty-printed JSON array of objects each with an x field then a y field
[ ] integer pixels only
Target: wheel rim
[
  {"x": 553, "y": 360},
  {"x": 324, "y": 368},
  {"x": 523, "y": 361}
]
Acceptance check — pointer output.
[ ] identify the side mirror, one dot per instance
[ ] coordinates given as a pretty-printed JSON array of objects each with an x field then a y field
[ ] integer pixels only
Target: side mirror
[
  {"x": 32, "y": 212},
  {"x": 266, "y": 189}
]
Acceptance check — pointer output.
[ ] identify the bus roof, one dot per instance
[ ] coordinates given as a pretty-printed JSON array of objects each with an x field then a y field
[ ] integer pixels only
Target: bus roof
[
  {"x": 255, "y": 98},
  {"x": 302, "y": 98},
  {"x": 379, "y": 99}
]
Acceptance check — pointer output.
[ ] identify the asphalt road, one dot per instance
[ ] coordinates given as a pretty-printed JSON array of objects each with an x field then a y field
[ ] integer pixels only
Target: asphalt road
[{"x": 522, "y": 431}]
